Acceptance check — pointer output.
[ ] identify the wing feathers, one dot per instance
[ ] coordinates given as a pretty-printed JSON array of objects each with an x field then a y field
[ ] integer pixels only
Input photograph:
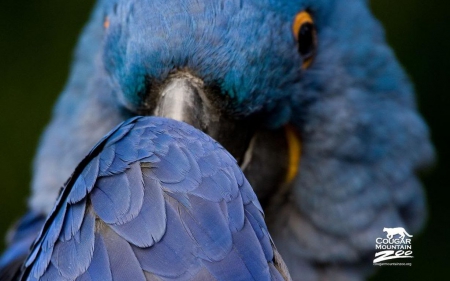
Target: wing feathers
[
  {"x": 73, "y": 220},
  {"x": 99, "y": 268},
  {"x": 172, "y": 256},
  {"x": 156, "y": 200},
  {"x": 124, "y": 264},
  {"x": 146, "y": 229},
  {"x": 72, "y": 257}
]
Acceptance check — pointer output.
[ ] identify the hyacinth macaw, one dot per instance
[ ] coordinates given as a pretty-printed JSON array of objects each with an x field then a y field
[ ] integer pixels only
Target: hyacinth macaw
[
  {"x": 155, "y": 200},
  {"x": 305, "y": 94}
]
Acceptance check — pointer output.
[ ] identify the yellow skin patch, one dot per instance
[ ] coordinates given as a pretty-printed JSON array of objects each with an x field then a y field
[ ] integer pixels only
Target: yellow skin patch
[
  {"x": 106, "y": 23},
  {"x": 294, "y": 150},
  {"x": 301, "y": 19}
]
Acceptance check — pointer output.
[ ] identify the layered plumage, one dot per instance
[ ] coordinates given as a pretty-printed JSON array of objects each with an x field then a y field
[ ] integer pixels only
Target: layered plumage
[
  {"x": 155, "y": 200},
  {"x": 353, "y": 109},
  {"x": 20, "y": 238}
]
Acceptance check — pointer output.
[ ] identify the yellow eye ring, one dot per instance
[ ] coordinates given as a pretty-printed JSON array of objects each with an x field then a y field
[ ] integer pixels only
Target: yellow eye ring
[{"x": 305, "y": 34}]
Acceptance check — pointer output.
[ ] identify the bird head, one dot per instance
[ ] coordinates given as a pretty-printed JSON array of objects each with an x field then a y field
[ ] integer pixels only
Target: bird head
[
  {"x": 226, "y": 67},
  {"x": 241, "y": 56},
  {"x": 243, "y": 68}
]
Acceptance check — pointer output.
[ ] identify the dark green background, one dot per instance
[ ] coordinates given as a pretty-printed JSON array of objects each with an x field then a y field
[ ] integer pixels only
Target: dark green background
[{"x": 36, "y": 42}]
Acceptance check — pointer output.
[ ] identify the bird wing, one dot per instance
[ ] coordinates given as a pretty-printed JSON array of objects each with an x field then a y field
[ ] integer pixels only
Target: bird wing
[
  {"x": 156, "y": 199},
  {"x": 19, "y": 240}
]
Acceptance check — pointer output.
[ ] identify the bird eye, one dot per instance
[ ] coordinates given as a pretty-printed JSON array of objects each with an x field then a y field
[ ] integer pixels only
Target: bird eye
[{"x": 306, "y": 36}]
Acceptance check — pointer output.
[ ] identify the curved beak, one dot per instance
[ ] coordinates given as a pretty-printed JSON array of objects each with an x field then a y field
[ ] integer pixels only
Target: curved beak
[
  {"x": 184, "y": 97},
  {"x": 266, "y": 156}
]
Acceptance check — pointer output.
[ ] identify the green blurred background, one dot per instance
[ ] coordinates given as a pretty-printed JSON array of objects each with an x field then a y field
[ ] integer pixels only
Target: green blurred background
[{"x": 36, "y": 43}]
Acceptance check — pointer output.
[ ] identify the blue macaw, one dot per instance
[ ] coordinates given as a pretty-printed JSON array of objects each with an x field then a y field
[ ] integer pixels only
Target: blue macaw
[{"x": 305, "y": 94}]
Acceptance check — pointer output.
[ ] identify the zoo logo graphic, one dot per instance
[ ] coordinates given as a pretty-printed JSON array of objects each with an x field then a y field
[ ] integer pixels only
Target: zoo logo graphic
[
  {"x": 393, "y": 247},
  {"x": 398, "y": 230}
]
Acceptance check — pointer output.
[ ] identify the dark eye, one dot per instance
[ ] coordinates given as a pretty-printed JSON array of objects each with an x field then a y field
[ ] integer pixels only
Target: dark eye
[{"x": 305, "y": 33}]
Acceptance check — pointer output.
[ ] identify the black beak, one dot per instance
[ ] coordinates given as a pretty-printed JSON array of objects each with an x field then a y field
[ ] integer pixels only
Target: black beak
[
  {"x": 184, "y": 97},
  {"x": 264, "y": 155}
]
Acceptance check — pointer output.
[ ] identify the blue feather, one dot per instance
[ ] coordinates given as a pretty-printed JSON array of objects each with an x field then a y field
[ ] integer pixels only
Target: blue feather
[
  {"x": 207, "y": 225},
  {"x": 255, "y": 218},
  {"x": 73, "y": 220},
  {"x": 52, "y": 274},
  {"x": 106, "y": 160},
  {"x": 235, "y": 214},
  {"x": 146, "y": 228},
  {"x": 111, "y": 198},
  {"x": 73, "y": 257},
  {"x": 173, "y": 255},
  {"x": 86, "y": 181},
  {"x": 248, "y": 247},
  {"x": 100, "y": 268},
  {"x": 149, "y": 218},
  {"x": 173, "y": 166},
  {"x": 123, "y": 262},
  {"x": 54, "y": 232}
]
